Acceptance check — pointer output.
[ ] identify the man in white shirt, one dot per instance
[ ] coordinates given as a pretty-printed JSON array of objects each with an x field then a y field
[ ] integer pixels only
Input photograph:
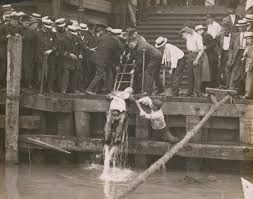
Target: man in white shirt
[
  {"x": 173, "y": 57},
  {"x": 231, "y": 19},
  {"x": 195, "y": 48},
  {"x": 213, "y": 27}
]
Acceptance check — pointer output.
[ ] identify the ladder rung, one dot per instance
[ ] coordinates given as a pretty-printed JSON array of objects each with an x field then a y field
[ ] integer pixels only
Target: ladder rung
[
  {"x": 124, "y": 73},
  {"x": 123, "y": 82}
]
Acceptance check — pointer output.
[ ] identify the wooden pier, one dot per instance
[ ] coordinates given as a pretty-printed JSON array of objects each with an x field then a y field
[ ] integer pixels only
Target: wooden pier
[{"x": 76, "y": 122}]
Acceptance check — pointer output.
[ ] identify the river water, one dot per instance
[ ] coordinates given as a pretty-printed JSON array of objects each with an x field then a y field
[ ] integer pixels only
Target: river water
[{"x": 84, "y": 182}]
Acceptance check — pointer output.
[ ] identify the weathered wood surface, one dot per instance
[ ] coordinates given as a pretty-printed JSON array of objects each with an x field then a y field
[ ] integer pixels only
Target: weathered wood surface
[
  {"x": 29, "y": 122},
  {"x": 246, "y": 130},
  {"x": 100, "y": 104},
  {"x": 14, "y": 60},
  {"x": 144, "y": 147},
  {"x": 82, "y": 124},
  {"x": 142, "y": 132}
]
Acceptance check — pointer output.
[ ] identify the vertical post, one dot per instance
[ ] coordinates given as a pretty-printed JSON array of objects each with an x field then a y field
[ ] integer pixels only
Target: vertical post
[
  {"x": 193, "y": 164},
  {"x": 246, "y": 136},
  {"x": 14, "y": 60},
  {"x": 142, "y": 132},
  {"x": 246, "y": 126},
  {"x": 56, "y": 7},
  {"x": 82, "y": 124}
]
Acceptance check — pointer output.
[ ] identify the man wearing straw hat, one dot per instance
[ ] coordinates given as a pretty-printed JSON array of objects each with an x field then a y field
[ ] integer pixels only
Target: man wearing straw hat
[
  {"x": 45, "y": 46},
  {"x": 173, "y": 57},
  {"x": 235, "y": 54}
]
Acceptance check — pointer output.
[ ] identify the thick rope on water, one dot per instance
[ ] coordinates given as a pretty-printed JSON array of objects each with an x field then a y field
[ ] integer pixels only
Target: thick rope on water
[{"x": 168, "y": 155}]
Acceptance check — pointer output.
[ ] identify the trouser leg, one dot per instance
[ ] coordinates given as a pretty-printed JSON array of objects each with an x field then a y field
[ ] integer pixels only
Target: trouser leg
[
  {"x": 108, "y": 128},
  {"x": 109, "y": 79},
  {"x": 178, "y": 76},
  {"x": 65, "y": 80},
  {"x": 100, "y": 75},
  {"x": 51, "y": 77},
  {"x": 190, "y": 75},
  {"x": 120, "y": 128},
  {"x": 197, "y": 78},
  {"x": 157, "y": 79}
]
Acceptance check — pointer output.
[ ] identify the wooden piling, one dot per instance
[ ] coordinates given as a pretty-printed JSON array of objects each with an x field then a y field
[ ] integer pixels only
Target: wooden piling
[
  {"x": 82, "y": 124},
  {"x": 246, "y": 126},
  {"x": 14, "y": 60},
  {"x": 142, "y": 132},
  {"x": 193, "y": 165}
]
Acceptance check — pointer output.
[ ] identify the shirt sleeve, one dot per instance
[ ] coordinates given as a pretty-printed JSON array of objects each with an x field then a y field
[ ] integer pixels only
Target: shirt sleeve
[
  {"x": 174, "y": 60},
  {"x": 199, "y": 43}
]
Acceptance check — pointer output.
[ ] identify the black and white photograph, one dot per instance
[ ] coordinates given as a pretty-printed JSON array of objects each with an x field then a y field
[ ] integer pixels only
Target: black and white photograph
[{"x": 126, "y": 99}]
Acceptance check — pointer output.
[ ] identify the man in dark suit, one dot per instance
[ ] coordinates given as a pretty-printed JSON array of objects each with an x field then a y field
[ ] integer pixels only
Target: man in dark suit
[
  {"x": 153, "y": 61},
  {"x": 231, "y": 20},
  {"x": 106, "y": 55}
]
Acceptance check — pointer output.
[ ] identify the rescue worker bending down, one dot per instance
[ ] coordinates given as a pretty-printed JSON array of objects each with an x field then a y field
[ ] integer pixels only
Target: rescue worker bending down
[{"x": 117, "y": 117}]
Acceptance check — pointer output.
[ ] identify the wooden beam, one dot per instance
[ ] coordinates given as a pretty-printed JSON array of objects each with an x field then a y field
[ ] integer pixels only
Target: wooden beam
[
  {"x": 100, "y": 104},
  {"x": 25, "y": 122},
  {"x": 147, "y": 147},
  {"x": 14, "y": 60},
  {"x": 142, "y": 132}
]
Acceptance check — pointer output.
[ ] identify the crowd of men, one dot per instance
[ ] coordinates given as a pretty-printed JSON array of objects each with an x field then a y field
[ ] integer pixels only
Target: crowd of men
[{"x": 61, "y": 55}]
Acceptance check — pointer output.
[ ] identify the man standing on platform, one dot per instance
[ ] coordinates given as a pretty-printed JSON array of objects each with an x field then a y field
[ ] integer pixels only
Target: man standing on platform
[
  {"x": 235, "y": 54},
  {"x": 150, "y": 58},
  {"x": 173, "y": 57},
  {"x": 44, "y": 47},
  {"x": 213, "y": 27},
  {"x": 28, "y": 52},
  {"x": 106, "y": 54}
]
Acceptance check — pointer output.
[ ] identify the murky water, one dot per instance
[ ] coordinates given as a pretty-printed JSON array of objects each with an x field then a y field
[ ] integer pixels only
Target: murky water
[{"x": 84, "y": 182}]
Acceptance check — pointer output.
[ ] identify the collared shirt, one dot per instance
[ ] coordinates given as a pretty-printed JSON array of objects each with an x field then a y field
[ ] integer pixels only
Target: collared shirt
[
  {"x": 226, "y": 42},
  {"x": 194, "y": 42},
  {"x": 232, "y": 18},
  {"x": 172, "y": 54},
  {"x": 214, "y": 29}
]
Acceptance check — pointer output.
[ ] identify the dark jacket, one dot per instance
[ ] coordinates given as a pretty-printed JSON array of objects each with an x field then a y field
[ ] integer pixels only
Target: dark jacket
[
  {"x": 151, "y": 53},
  {"x": 107, "y": 52}
]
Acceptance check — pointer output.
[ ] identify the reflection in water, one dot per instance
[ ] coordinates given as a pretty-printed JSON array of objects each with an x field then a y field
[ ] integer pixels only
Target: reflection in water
[{"x": 81, "y": 182}]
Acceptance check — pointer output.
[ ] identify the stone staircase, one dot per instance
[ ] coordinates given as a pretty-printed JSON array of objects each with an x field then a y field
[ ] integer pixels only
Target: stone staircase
[{"x": 167, "y": 23}]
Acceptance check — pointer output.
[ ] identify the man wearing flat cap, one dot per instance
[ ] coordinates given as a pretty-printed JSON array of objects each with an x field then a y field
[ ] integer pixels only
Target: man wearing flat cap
[
  {"x": 152, "y": 57},
  {"x": 106, "y": 55}
]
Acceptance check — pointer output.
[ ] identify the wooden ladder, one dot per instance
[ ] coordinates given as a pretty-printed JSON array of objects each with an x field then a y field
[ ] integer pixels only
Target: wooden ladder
[{"x": 124, "y": 78}]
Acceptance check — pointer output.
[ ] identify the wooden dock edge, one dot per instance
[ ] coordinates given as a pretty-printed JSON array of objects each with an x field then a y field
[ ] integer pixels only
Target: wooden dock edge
[{"x": 147, "y": 147}]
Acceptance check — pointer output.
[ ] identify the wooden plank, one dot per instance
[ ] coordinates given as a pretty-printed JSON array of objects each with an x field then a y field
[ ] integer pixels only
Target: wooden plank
[
  {"x": 14, "y": 60},
  {"x": 29, "y": 122},
  {"x": 246, "y": 130},
  {"x": 65, "y": 124},
  {"x": 223, "y": 151},
  {"x": 141, "y": 132},
  {"x": 54, "y": 104}
]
